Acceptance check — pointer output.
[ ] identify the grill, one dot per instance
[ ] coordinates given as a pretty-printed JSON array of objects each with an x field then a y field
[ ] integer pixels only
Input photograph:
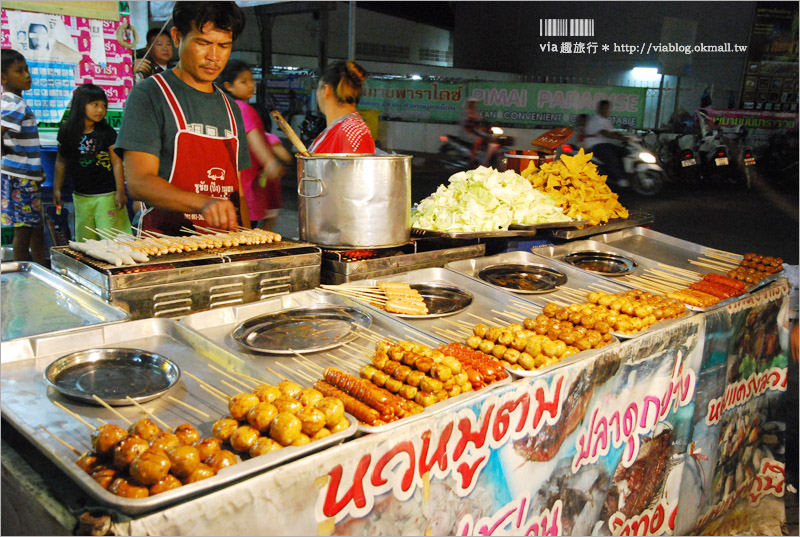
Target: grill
[
  {"x": 343, "y": 266},
  {"x": 177, "y": 284}
]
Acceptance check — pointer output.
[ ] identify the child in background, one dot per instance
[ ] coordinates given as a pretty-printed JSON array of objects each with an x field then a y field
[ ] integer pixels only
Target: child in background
[
  {"x": 86, "y": 149},
  {"x": 262, "y": 181},
  {"x": 21, "y": 168}
]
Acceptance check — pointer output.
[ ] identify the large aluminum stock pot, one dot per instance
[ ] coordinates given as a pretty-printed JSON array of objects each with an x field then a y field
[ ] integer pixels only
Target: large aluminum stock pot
[{"x": 354, "y": 201}]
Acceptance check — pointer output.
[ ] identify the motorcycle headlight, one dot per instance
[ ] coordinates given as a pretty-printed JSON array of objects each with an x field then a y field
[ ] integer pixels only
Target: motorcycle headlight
[
  {"x": 497, "y": 130},
  {"x": 647, "y": 157}
]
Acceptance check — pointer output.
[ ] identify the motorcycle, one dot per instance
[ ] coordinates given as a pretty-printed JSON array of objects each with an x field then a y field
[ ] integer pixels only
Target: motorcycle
[
  {"x": 682, "y": 161},
  {"x": 457, "y": 153},
  {"x": 311, "y": 127},
  {"x": 642, "y": 171}
]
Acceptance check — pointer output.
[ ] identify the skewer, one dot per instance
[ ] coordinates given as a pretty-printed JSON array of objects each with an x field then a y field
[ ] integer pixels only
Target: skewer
[
  {"x": 481, "y": 319},
  {"x": 295, "y": 372},
  {"x": 150, "y": 414},
  {"x": 248, "y": 377},
  {"x": 102, "y": 422},
  {"x": 670, "y": 275},
  {"x": 74, "y": 415},
  {"x": 352, "y": 288},
  {"x": 509, "y": 315},
  {"x": 214, "y": 394},
  {"x": 427, "y": 337},
  {"x": 231, "y": 386},
  {"x": 659, "y": 281},
  {"x": 75, "y": 451},
  {"x": 383, "y": 337},
  {"x": 361, "y": 347},
  {"x": 111, "y": 409},
  {"x": 190, "y": 407},
  {"x": 352, "y": 355},
  {"x": 221, "y": 372},
  {"x": 209, "y": 386},
  {"x": 521, "y": 310},
  {"x": 681, "y": 270},
  {"x": 360, "y": 296},
  {"x": 739, "y": 256},
  {"x": 276, "y": 374},
  {"x": 345, "y": 363},
  {"x": 732, "y": 260},
  {"x": 701, "y": 264},
  {"x": 446, "y": 335},
  {"x": 606, "y": 287},
  {"x": 723, "y": 265},
  {"x": 318, "y": 371}
]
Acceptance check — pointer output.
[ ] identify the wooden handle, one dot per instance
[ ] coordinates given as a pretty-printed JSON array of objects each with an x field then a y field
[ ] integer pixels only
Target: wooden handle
[{"x": 289, "y": 131}]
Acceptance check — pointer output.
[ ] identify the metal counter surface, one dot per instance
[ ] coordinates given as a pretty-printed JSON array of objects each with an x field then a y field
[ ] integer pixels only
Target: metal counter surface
[
  {"x": 27, "y": 404},
  {"x": 37, "y": 301}
]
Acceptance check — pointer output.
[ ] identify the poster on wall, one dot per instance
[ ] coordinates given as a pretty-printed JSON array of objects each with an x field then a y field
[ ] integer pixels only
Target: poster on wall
[{"x": 64, "y": 51}]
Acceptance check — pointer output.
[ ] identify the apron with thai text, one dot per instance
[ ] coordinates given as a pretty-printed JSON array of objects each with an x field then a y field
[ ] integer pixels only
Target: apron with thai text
[{"x": 201, "y": 163}]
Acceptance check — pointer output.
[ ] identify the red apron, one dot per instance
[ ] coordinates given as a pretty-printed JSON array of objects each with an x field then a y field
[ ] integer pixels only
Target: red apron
[{"x": 203, "y": 164}]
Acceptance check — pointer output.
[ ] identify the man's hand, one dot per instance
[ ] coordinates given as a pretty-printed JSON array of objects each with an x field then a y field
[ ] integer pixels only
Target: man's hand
[
  {"x": 56, "y": 197},
  {"x": 141, "y": 66},
  {"x": 120, "y": 199},
  {"x": 220, "y": 214}
]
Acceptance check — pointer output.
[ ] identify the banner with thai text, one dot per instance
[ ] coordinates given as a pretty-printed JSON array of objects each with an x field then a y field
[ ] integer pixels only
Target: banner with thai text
[
  {"x": 629, "y": 441},
  {"x": 502, "y": 103}
]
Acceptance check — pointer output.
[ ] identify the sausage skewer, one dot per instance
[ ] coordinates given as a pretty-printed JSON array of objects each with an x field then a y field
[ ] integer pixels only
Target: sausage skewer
[{"x": 149, "y": 414}]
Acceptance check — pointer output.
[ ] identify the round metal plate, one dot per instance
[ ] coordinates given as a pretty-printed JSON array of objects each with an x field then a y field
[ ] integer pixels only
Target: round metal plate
[
  {"x": 113, "y": 375},
  {"x": 525, "y": 279},
  {"x": 441, "y": 300},
  {"x": 601, "y": 263},
  {"x": 306, "y": 329}
]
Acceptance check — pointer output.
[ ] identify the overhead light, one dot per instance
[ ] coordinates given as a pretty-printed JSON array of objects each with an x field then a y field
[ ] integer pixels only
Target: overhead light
[
  {"x": 646, "y": 73},
  {"x": 416, "y": 77}
]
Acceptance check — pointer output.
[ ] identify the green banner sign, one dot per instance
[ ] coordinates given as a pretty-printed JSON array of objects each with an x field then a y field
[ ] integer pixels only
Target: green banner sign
[{"x": 503, "y": 103}]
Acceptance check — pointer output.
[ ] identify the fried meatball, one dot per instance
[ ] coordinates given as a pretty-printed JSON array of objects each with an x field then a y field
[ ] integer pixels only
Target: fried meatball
[
  {"x": 290, "y": 389},
  {"x": 168, "y": 483},
  {"x": 261, "y": 415},
  {"x": 150, "y": 467},
  {"x": 333, "y": 408},
  {"x": 343, "y": 425},
  {"x": 221, "y": 459},
  {"x": 164, "y": 441},
  {"x": 104, "y": 475},
  {"x": 312, "y": 419},
  {"x": 288, "y": 404},
  {"x": 267, "y": 393},
  {"x": 263, "y": 446},
  {"x": 207, "y": 447},
  {"x": 128, "y": 449},
  {"x": 105, "y": 437},
  {"x": 310, "y": 396},
  {"x": 184, "y": 460},
  {"x": 285, "y": 428},
  {"x": 187, "y": 434},
  {"x": 145, "y": 428},
  {"x": 240, "y": 404},
  {"x": 128, "y": 489},
  {"x": 223, "y": 428},
  {"x": 88, "y": 462},
  {"x": 244, "y": 437},
  {"x": 203, "y": 471}
]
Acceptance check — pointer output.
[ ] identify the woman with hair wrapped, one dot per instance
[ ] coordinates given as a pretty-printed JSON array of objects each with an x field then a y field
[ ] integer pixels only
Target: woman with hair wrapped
[{"x": 338, "y": 93}]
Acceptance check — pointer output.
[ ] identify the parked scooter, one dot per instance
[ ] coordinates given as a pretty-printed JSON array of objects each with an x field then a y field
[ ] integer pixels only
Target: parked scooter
[
  {"x": 642, "y": 171},
  {"x": 682, "y": 161},
  {"x": 457, "y": 153},
  {"x": 311, "y": 127}
]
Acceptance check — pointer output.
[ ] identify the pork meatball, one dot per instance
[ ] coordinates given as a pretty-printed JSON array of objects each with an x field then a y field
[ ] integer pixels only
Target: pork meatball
[
  {"x": 145, "y": 428},
  {"x": 128, "y": 489},
  {"x": 187, "y": 434},
  {"x": 285, "y": 428},
  {"x": 105, "y": 437},
  {"x": 128, "y": 449},
  {"x": 223, "y": 429},
  {"x": 263, "y": 446},
  {"x": 240, "y": 404},
  {"x": 168, "y": 483},
  {"x": 333, "y": 408},
  {"x": 220, "y": 460},
  {"x": 207, "y": 447},
  {"x": 164, "y": 441},
  {"x": 150, "y": 467},
  {"x": 267, "y": 393},
  {"x": 203, "y": 471},
  {"x": 244, "y": 437},
  {"x": 184, "y": 460},
  {"x": 261, "y": 415},
  {"x": 290, "y": 389}
]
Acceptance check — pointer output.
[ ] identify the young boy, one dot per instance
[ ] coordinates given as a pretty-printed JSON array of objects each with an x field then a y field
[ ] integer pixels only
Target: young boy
[{"x": 21, "y": 167}]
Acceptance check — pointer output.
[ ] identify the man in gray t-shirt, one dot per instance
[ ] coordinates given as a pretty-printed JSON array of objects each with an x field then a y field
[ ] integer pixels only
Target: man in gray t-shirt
[{"x": 178, "y": 138}]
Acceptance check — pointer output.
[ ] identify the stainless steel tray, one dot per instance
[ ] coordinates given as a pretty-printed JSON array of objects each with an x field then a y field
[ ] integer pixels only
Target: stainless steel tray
[
  {"x": 442, "y": 300},
  {"x": 545, "y": 279},
  {"x": 417, "y": 232},
  {"x": 216, "y": 326},
  {"x": 577, "y": 279},
  {"x": 38, "y": 301},
  {"x": 117, "y": 376},
  {"x": 27, "y": 404},
  {"x": 651, "y": 250},
  {"x": 300, "y": 330},
  {"x": 491, "y": 306},
  {"x": 636, "y": 218}
]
